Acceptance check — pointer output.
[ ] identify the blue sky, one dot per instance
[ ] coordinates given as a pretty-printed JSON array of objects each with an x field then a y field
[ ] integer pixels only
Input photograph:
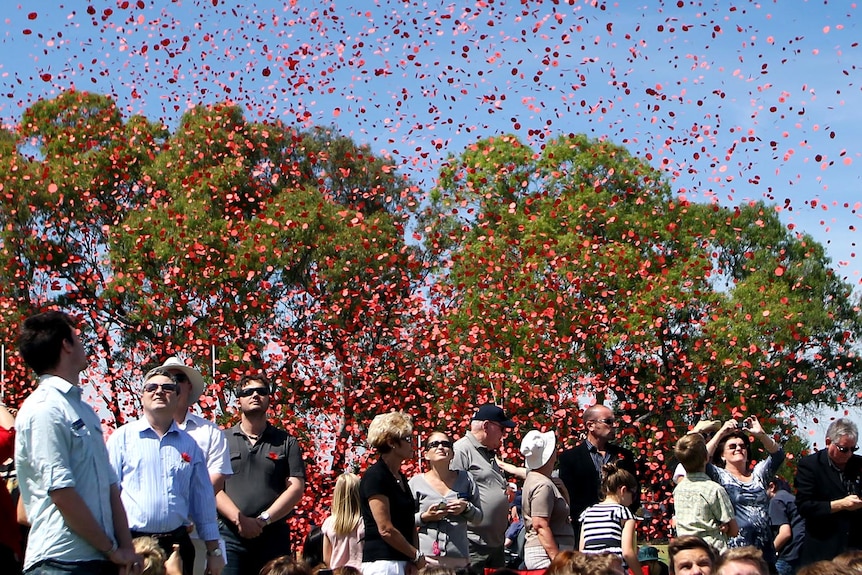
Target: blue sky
[{"x": 737, "y": 102}]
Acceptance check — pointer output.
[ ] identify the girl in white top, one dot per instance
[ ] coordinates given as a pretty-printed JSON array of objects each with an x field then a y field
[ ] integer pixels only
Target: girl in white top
[{"x": 344, "y": 530}]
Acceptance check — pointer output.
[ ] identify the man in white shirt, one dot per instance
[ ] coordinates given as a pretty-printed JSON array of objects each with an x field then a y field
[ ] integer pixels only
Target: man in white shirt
[{"x": 206, "y": 434}]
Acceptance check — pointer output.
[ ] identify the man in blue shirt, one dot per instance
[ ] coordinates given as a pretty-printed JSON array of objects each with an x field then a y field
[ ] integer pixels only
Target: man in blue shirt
[
  {"x": 163, "y": 476},
  {"x": 69, "y": 491}
]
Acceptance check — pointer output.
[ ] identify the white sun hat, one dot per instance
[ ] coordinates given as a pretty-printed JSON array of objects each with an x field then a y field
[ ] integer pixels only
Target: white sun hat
[
  {"x": 195, "y": 377},
  {"x": 537, "y": 448}
]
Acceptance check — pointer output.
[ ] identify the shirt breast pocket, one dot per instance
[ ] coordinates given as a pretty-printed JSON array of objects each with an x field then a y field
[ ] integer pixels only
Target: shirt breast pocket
[{"x": 81, "y": 439}]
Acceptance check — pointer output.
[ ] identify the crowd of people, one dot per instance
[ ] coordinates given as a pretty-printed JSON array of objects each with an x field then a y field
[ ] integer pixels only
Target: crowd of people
[{"x": 173, "y": 493}]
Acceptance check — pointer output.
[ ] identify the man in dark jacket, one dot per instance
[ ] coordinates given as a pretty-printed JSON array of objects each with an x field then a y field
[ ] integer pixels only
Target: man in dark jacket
[
  {"x": 828, "y": 486},
  {"x": 580, "y": 466}
]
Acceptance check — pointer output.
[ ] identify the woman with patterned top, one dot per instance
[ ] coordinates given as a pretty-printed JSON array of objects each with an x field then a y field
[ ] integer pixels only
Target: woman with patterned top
[{"x": 730, "y": 450}]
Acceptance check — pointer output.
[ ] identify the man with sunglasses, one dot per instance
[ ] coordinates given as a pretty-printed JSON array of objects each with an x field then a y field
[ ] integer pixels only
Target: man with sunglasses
[
  {"x": 206, "y": 434},
  {"x": 580, "y": 467},
  {"x": 268, "y": 481},
  {"x": 828, "y": 489},
  {"x": 163, "y": 476}
]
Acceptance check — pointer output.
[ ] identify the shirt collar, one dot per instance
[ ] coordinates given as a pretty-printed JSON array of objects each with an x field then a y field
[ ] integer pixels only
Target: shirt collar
[
  {"x": 143, "y": 425},
  {"x": 59, "y": 384},
  {"x": 476, "y": 443}
]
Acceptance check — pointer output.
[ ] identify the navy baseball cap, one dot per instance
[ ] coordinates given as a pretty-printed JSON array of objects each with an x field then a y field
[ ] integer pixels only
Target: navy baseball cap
[{"x": 491, "y": 412}]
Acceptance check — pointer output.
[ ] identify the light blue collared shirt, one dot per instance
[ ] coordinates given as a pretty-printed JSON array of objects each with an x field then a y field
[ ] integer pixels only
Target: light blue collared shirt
[
  {"x": 163, "y": 481},
  {"x": 59, "y": 444}
]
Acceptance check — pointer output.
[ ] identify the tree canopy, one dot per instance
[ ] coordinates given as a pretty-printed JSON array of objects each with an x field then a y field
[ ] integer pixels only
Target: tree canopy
[{"x": 540, "y": 279}]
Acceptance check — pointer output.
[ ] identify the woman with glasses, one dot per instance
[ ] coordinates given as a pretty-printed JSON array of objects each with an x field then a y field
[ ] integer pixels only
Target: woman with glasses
[
  {"x": 447, "y": 501},
  {"x": 386, "y": 500},
  {"x": 730, "y": 450}
]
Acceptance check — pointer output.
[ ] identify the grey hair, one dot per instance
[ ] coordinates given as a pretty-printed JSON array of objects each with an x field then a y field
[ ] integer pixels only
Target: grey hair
[
  {"x": 842, "y": 427},
  {"x": 164, "y": 371}
]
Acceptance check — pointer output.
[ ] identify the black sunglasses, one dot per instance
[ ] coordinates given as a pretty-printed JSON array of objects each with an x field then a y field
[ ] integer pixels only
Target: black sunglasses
[
  {"x": 436, "y": 444},
  {"x": 249, "y": 391},
  {"x": 847, "y": 449},
  {"x": 151, "y": 387}
]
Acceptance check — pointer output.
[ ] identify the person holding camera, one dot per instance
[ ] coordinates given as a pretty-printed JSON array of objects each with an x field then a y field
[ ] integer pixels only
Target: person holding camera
[
  {"x": 730, "y": 450},
  {"x": 447, "y": 500}
]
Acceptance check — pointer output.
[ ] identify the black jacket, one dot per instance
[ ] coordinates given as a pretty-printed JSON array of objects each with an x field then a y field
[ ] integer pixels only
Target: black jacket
[
  {"x": 817, "y": 484},
  {"x": 582, "y": 481}
]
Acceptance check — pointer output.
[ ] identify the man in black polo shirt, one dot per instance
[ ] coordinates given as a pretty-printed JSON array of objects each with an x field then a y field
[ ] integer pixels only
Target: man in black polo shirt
[{"x": 267, "y": 482}]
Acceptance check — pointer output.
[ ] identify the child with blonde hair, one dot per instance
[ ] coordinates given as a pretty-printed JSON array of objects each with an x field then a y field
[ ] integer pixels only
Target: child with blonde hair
[{"x": 344, "y": 529}]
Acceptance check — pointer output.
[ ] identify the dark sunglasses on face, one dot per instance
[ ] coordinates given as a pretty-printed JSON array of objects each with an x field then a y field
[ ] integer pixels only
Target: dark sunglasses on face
[
  {"x": 846, "y": 449},
  {"x": 436, "y": 444},
  {"x": 249, "y": 391},
  {"x": 151, "y": 387}
]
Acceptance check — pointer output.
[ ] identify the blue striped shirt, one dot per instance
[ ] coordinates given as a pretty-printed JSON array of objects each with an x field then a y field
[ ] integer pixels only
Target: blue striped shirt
[{"x": 164, "y": 481}]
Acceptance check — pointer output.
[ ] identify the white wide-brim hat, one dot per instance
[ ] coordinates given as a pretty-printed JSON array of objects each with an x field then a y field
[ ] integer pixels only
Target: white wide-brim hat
[
  {"x": 195, "y": 377},
  {"x": 537, "y": 448}
]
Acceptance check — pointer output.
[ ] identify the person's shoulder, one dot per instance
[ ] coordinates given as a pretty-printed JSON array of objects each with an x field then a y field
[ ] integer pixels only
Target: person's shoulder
[
  {"x": 812, "y": 460},
  {"x": 625, "y": 452},
  {"x": 199, "y": 421},
  {"x": 574, "y": 450},
  {"x": 417, "y": 482},
  {"x": 462, "y": 444}
]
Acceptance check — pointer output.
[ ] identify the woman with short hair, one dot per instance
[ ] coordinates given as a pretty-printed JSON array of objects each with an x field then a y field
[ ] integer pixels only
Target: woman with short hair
[{"x": 386, "y": 500}]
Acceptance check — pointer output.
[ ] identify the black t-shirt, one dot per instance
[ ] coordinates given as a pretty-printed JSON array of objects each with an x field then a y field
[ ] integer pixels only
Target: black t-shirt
[
  {"x": 378, "y": 481},
  {"x": 260, "y": 472}
]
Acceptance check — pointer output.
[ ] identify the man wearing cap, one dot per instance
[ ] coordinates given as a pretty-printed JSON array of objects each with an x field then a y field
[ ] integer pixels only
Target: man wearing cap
[
  {"x": 163, "y": 476},
  {"x": 268, "y": 481},
  {"x": 206, "y": 434},
  {"x": 476, "y": 454},
  {"x": 580, "y": 467}
]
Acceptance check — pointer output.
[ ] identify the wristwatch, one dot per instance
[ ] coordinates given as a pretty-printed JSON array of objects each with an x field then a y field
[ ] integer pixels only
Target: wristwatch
[
  {"x": 419, "y": 555},
  {"x": 264, "y": 516},
  {"x": 215, "y": 552}
]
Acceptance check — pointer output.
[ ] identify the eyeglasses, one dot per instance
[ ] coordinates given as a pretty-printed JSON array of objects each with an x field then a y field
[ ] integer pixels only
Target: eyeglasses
[
  {"x": 151, "y": 387},
  {"x": 607, "y": 421},
  {"x": 499, "y": 425},
  {"x": 407, "y": 438},
  {"x": 249, "y": 391},
  {"x": 735, "y": 446},
  {"x": 435, "y": 444},
  {"x": 843, "y": 449}
]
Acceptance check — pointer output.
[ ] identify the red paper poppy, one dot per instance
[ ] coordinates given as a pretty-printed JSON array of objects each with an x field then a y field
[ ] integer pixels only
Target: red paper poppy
[
  {"x": 273, "y": 455},
  {"x": 186, "y": 457}
]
